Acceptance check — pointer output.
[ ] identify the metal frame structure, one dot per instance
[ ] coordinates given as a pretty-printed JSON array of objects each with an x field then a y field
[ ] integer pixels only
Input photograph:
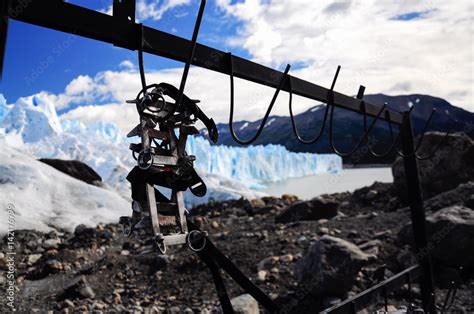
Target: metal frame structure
[
  {"x": 122, "y": 30},
  {"x": 359, "y": 301}
]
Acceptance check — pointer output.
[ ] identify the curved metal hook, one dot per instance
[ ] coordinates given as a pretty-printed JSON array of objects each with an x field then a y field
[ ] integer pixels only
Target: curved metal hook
[
  {"x": 394, "y": 140},
  {"x": 422, "y": 136},
  {"x": 430, "y": 155},
  {"x": 293, "y": 121},
  {"x": 330, "y": 102},
  {"x": 140, "y": 58},
  {"x": 270, "y": 107}
]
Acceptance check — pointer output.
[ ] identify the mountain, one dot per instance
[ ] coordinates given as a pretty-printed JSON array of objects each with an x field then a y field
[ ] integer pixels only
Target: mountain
[{"x": 348, "y": 127}]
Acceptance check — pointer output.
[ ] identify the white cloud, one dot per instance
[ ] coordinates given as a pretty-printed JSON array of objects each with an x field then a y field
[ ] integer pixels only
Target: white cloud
[
  {"x": 432, "y": 54},
  {"x": 211, "y": 88},
  {"x": 123, "y": 115},
  {"x": 81, "y": 85},
  {"x": 126, "y": 65},
  {"x": 153, "y": 10},
  {"x": 429, "y": 55}
]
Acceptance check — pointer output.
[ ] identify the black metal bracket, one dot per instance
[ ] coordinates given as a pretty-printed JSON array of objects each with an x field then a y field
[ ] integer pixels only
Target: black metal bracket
[
  {"x": 124, "y": 10},
  {"x": 70, "y": 18},
  {"x": 4, "y": 16},
  {"x": 361, "y": 300},
  {"x": 122, "y": 30}
]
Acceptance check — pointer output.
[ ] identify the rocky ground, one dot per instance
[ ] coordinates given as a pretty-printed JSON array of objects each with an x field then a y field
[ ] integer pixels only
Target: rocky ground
[
  {"x": 99, "y": 268},
  {"x": 307, "y": 255}
]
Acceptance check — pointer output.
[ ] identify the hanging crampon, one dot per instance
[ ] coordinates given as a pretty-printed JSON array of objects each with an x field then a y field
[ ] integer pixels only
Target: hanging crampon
[{"x": 161, "y": 156}]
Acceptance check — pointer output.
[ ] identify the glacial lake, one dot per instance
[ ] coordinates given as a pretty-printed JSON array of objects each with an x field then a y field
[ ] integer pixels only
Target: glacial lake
[{"x": 346, "y": 180}]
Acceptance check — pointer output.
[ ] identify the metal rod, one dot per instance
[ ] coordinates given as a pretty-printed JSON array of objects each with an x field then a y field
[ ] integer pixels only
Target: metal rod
[
  {"x": 415, "y": 200},
  {"x": 360, "y": 300},
  {"x": 197, "y": 25},
  {"x": 4, "y": 8},
  {"x": 70, "y": 18}
]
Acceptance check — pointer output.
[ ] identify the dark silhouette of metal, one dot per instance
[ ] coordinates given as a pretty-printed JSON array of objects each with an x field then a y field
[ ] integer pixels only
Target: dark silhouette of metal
[
  {"x": 330, "y": 103},
  {"x": 122, "y": 30},
  {"x": 293, "y": 120},
  {"x": 267, "y": 113}
]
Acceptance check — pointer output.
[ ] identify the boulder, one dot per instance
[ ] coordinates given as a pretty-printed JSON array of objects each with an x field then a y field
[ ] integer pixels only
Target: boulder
[
  {"x": 75, "y": 169},
  {"x": 78, "y": 287},
  {"x": 451, "y": 234},
  {"x": 289, "y": 198},
  {"x": 51, "y": 244},
  {"x": 245, "y": 304},
  {"x": 257, "y": 202},
  {"x": 457, "y": 196},
  {"x": 452, "y": 164},
  {"x": 315, "y": 209},
  {"x": 330, "y": 266}
]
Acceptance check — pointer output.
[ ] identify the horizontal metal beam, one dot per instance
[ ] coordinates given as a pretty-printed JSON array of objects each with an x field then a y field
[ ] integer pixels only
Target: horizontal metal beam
[
  {"x": 71, "y": 18},
  {"x": 361, "y": 300}
]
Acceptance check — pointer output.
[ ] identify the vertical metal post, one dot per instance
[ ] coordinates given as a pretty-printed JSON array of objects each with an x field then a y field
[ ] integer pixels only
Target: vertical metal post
[
  {"x": 4, "y": 7},
  {"x": 415, "y": 199}
]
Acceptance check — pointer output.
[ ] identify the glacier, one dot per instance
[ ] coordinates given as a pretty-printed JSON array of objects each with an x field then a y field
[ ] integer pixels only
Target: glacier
[
  {"x": 44, "y": 198},
  {"x": 256, "y": 165},
  {"x": 31, "y": 125}
]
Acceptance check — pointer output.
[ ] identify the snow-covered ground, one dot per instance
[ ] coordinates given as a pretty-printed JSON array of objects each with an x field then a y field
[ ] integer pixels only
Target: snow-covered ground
[{"x": 43, "y": 198}]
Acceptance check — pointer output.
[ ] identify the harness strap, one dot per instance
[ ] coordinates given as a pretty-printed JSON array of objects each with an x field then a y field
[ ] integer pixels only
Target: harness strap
[{"x": 217, "y": 257}]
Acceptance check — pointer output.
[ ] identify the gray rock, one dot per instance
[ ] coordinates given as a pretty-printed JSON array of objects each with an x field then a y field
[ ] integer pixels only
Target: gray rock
[
  {"x": 315, "y": 209},
  {"x": 456, "y": 196},
  {"x": 371, "y": 247},
  {"x": 371, "y": 195},
  {"x": 451, "y": 234},
  {"x": 245, "y": 304},
  {"x": 406, "y": 258},
  {"x": 452, "y": 164},
  {"x": 78, "y": 287},
  {"x": 75, "y": 169},
  {"x": 330, "y": 266},
  {"x": 174, "y": 310},
  {"x": 51, "y": 244},
  {"x": 33, "y": 258},
  {"x": 267, "y": 263},
  {"x": 470, "y": 202}
]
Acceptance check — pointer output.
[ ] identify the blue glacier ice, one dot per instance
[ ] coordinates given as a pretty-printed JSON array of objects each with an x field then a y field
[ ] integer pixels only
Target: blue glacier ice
[
  {"x": 33, "y": 126},
  {"x": 4, "y": 108},
  {"x": 256, "y": 165}
]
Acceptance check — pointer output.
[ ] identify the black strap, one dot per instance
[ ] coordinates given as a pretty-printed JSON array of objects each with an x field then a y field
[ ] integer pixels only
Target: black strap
[
  {"x": 218, "y": 282},
  {"x": 191, "y": 106},
  {"x": 241, "y": 279},
  {"x": 211, "y": 252}
]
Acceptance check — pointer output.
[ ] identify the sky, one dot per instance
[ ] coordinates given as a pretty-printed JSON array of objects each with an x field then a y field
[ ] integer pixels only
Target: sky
[{"x": 394, "y": 47}]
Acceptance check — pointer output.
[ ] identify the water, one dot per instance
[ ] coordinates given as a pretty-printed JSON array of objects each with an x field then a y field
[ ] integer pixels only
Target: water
[{"x": 347, "y": 180}]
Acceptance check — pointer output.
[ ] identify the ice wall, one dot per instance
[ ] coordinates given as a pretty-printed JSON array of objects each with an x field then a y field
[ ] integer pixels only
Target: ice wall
[
  {"x": 32, "y": 126},
  {"x": 254, "y": 166}
]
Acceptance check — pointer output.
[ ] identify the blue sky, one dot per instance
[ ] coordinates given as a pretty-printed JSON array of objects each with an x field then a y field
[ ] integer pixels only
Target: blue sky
[
  {"x": 39, "y": 59},
  {"x": 391, "y": 47}
]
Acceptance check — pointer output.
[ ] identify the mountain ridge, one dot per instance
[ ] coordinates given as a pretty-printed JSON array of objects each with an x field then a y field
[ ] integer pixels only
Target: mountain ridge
[{"x": 278, "y": 129}]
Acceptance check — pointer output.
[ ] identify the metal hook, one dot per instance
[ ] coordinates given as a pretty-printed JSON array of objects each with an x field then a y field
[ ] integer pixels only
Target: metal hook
[
  {"x": 420, "y": 140},
  {"x": 270, "y": 107},
  {"x": 360, "y": 95},
  {"x": 450, "y": 297},
  {"x": 394, "y": 140},
  {"x": 410, "y": 297},
  {"x": 293, "y": 121},
  {"x": 330, "y": 102},
  {"x": 140, "y": 59},
  {"x": 385, "y": 298},
  {"x": 191, "y": 54}
]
